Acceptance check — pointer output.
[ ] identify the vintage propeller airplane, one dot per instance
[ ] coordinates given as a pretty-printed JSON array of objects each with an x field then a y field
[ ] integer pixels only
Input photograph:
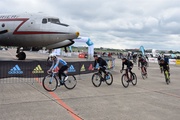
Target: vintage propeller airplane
[{"x": 34, "y": 30}]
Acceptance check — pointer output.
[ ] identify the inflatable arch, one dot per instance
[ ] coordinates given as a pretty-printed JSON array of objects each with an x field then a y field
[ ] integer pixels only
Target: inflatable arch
[{"x": 90, "y": 45}]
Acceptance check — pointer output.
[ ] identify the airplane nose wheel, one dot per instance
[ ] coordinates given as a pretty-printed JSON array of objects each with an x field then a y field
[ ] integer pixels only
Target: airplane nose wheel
[{"x": 21, "y": 56}]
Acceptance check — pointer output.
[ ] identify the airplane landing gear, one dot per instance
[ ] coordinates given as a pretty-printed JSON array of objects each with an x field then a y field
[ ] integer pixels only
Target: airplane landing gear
[{"x": 20, "y": 54}]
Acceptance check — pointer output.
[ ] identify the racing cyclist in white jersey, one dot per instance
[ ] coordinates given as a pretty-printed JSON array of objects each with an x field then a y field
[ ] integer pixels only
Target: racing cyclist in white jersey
[{"x": 55, "y": 62}]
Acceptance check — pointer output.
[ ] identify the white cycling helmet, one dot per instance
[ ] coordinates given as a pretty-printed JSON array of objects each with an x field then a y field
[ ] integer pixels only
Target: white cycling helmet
[{"x": 52, "y": 55}]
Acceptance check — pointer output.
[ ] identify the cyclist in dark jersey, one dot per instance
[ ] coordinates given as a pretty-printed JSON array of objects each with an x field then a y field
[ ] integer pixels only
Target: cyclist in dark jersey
[
  {"x": 164, "y": 66},
  {"x": 129, "y": 65},
  {"x": 142, "y": 64},
  {"x": 102, "y": 64}
]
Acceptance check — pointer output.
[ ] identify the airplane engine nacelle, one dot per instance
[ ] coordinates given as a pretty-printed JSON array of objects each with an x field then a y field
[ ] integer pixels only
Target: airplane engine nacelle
[{"x": 64, "y": 43}]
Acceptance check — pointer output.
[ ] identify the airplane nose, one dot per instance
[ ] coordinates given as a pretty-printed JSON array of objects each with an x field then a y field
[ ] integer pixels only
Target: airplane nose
[{"x": 77, "y": 34}]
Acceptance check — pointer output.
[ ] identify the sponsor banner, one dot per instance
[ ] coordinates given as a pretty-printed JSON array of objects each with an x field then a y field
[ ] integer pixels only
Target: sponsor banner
[
  {"x": 172, "y": 61},
  {"x": 32, "y": 69},
  {"x": 86, "y": 67},
  {"x": 178, "y": 62},
  {"x": 110, "y": 62},
  {"x": 23, "y": 69},
  {"x": 153, "y": 60}
]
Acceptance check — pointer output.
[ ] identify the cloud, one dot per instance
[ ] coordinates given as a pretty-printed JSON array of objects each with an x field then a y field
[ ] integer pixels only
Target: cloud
[{"x": 118, "y": 23}]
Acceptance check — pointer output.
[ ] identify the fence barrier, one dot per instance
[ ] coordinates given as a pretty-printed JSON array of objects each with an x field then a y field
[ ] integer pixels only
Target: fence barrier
[{"x": 27, "y": 71}]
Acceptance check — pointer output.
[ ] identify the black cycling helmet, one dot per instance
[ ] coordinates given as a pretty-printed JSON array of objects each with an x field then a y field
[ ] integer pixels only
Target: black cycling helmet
[
  {"x": 140, "y": 55},
  {"x": 124, "y": 58},
  {"x": 95, "y": 55}
]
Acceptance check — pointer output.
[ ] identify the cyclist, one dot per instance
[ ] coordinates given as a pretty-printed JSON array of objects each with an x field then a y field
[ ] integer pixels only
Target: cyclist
[
  {"x": 164, "y": 66},
  {"x": 102, "y": 64},
  {"x": 142, "y": 64},
  {"x": 159, "y": 58},
  {"x": 55, "y": 62},
  {"x": 129, "y": 65},
  {"x": 134, "y": 58}
]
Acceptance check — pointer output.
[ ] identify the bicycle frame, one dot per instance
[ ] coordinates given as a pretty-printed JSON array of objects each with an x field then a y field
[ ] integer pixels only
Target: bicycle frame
[
  {"x": 97, "y": 78},
  {"x": 125, "y": 82},
  {"x": 101, "y": 73},
  {"x": 52, "y": 76},
  {"x": 127, "y": 74}
]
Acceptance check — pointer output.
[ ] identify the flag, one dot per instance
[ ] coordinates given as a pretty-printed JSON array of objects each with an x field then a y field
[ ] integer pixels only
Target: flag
[{"x": 142, "y": 50}]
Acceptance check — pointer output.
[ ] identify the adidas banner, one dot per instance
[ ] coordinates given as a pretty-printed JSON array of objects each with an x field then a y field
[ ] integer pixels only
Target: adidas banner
[{"x": 32, "y": 69}]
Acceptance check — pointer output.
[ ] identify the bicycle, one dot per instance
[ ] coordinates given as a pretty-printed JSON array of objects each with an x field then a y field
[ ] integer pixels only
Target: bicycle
[
  {"x": 125, "y": 81},
  {"x": 50, "y": 82},
  {"x": 97, "y": 78},
  {"x": 167, "y": 76},
  {"x": 144, "y": 74}
]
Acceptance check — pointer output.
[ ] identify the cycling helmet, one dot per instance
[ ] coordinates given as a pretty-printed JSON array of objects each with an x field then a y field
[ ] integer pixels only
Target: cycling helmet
[
  {"x": 140, "y": 55},
  {"x": 162, "y": 59},
  {"x": 123, "y": 58},
  {"x": 52, "y": 55},
  {"x": 95, "y": 55}
]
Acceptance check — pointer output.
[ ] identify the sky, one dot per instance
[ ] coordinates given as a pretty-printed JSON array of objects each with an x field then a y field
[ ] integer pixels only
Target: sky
[{"x": 120, "y": 24}]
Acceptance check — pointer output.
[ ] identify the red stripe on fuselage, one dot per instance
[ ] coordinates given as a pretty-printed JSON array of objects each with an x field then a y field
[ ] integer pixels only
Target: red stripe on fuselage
[{"x": 16, "y": 32}]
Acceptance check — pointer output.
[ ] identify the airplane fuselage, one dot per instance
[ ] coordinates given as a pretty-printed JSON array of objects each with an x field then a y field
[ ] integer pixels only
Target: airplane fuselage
[{"x": 34, "y": 30}]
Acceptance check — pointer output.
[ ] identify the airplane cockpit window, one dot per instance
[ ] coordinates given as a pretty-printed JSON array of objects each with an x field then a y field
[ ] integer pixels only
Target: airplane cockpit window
[
  {"x": 56, "y": 21},
  {"x": 44, "y": 21},
  {"x": 53, "y": 20}
]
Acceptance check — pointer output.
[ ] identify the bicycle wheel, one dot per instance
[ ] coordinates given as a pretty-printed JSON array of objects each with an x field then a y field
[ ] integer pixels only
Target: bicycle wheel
[
  {"x": 124, "y": 81},
  {"x": 109, "y": 80},
  {"x": 142, "y": 74},
  {"x": 50, "y": 83},
  {"x": 146, "y": 75},
  {"x": 71, "y": 82},
  {"x": 134, "y": 79},
  {"x": 96, "y": 79}
]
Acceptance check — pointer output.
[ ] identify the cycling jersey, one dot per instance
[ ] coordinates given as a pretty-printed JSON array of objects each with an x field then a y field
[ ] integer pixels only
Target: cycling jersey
[
  {"x": 101, "y": 62},
  {"x": 164, "y": 65},
  {"x": 141, "y": 62},
  {"x": 63, "y": 68},
  {"x": 128, "y": 63},
  {"x": 56, "y": 63}
]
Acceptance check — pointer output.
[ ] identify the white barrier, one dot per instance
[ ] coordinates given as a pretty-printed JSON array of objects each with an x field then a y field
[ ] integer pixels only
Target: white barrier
[
  {"x": 172, "y": 61},
  {"x": 155, "y": 60}
]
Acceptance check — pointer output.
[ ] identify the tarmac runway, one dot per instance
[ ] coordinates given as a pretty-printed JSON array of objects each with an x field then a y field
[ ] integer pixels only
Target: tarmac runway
[{"x": 150, "y": 99}]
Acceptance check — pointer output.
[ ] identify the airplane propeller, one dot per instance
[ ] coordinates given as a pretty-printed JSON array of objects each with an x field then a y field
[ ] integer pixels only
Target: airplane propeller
[{"x": 3, "y": 31}]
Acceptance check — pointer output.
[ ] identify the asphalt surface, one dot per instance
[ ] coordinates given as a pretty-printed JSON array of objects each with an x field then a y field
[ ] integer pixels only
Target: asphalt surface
[{"x": 150, "y": 99}]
